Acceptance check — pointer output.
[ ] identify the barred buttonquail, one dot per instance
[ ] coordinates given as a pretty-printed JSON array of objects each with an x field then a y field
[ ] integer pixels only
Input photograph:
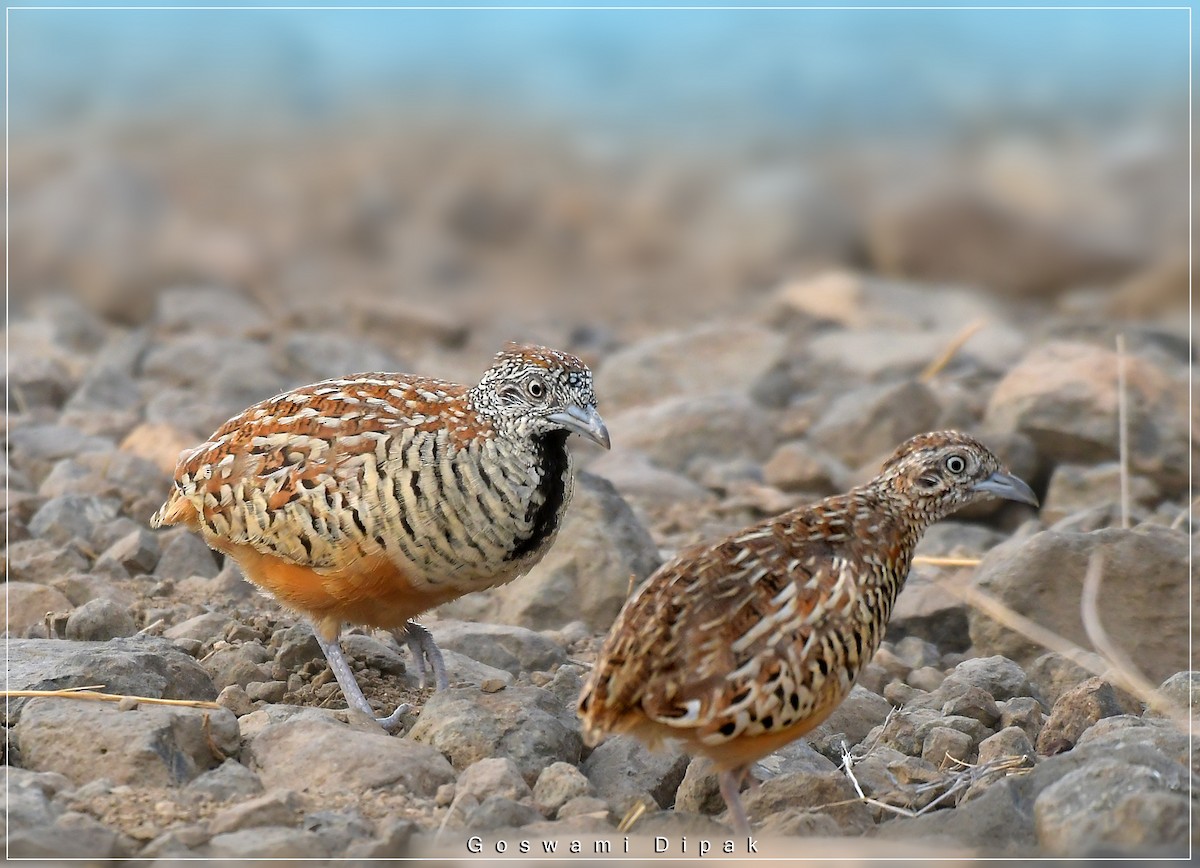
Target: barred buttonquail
[
  {"x": 372, "y": 498},
  {"x": 739, "y": 646}
]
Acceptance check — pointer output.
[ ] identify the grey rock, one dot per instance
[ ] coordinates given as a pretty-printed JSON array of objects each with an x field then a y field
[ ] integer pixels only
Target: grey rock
[
  {"x": 203, "y": 628},
  {"x": 864, "y": 425},
  {"x": 793, "y": 757},
  {"x": 1127, "y": 731},
  {"x": 71, "y": 517},
  {"x": 700, "y": 790},
  {"x": 179, "y": 840},
  {"x": 36, "y": 448},
  {"x": 29, "y": 798},
  {"x": 236, "y": 664},
  {"x": 99, "y": 620},
  {"x": 274, "y": 808},
  {"x": 1182, "y": 690},
  {"x": 153, "y": 745},
  {"x": 712, "y": 359},
  {"x": 498, "y": 776},
  {"x": 1008, "y": 742},
  {"x": 1076, "y": 710},
  {"x": 319, "y": 355},
  {"x": 1053, "y": 674},
  {"x": 136, "y": 552},
  {"x": 557, "y": 784},
  {"x": 916, "y": 652},
  {"x": 499, "y": 812},
  {"x": 374, "y": 653},
  {"x": 621, "y": 769},
  {"x": 335, "y": 757},
  {"x": 236, "y": 699},
  {"x": 798, "y": 466},
  {"x": 927, "y": 678},
  {"x": 266, "y": 691},
  {"x": 860, "y": 712},
  {"x": 998, "y": 822},
  {"x": 584, "y": 806},
  {"x": 338, "y": 829},
  {"x": 1062, "y": 396},
  {"x": 1001, "y": 678},
  {"x": 29, "y": 604},
  {"x": 184, "y": 555},
  {"x": 585, "y": 575},
  {"x": 39, "y": 561},
  {"x": 829, "y": 791},
  {"x": 213, "y": 310},
  {"x": 267, "y": 842},
  {"x": 943, "y": 745},
  {"x": 1024, "y": 712},
  {"x": 526, "y": 724},
  {"x": 1075, "y": 487},
  {"x": 676, "y": 432},
  {"x": 974, "y": 703},
  {"x": 1105, "y": 804},
  {"x": 296, "y": 645},
  {"x": 393, "y": 842},
  {"x": 229, "y": 780},
  {"x": 136, "y": 666},
  {"x": 515, "y": 649}
]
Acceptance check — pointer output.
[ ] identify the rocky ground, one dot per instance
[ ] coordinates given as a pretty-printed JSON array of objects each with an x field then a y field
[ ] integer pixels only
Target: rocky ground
[{"x": 962, "y": 737}]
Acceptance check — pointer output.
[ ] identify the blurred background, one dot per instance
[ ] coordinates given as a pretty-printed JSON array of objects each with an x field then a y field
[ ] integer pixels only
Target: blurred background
[{"x": 446, "y": 177}]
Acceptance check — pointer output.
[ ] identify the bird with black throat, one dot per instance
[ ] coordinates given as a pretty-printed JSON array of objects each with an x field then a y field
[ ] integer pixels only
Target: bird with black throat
[
  {"x": 372, "y": 498},
  {"x": 739, "y": 646}
]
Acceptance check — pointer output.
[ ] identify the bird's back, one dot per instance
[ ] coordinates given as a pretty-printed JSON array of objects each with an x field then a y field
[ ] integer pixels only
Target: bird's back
[
  {"x": 754, "y": 638},
  {"x": 376, "y": 468}
]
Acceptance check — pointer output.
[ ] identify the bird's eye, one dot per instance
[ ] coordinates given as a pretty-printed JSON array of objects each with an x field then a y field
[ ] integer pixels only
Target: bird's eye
[
  {"x": 536, "y": 389},
  {"x": 956, "y": 464}
]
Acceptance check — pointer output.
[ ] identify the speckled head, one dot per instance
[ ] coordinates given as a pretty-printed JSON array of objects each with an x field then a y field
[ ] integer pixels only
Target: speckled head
[
  {"x": 531, "y": 390},
  {"x": 941, "y": 471}
]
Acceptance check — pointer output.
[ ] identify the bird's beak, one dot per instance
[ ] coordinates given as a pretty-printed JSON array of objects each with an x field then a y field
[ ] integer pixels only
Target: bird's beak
[
  {"x": 585, "y": 421},
  {"x": 1007, "y": 486}
]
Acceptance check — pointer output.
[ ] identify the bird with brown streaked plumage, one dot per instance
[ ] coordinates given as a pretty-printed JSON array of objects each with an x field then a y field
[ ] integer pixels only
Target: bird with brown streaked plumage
[
  {"x": 740, "y": 646},
  {"x": 371, "y": 498}
]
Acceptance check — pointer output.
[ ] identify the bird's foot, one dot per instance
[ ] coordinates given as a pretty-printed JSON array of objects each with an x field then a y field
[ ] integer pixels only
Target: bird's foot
[
  {"x": 350, "y": 689},
  {"x": 731, "y": 782},
  {"x": 420, "y": 642}
]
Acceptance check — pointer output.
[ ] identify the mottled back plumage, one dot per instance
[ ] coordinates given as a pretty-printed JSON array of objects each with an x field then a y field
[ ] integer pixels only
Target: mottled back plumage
[{"x": 744, "y": 644}]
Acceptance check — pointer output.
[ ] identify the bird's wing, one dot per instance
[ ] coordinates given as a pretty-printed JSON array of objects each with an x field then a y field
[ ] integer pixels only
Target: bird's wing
[
  {"x": 285, "y": 476},
  {"x": 722, "y": 638}
]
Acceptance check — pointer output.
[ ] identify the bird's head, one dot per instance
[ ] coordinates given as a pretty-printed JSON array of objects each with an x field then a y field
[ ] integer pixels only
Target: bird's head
[
  {"x": 942, "y": 471},
  {"x": 531, "y": 390}
]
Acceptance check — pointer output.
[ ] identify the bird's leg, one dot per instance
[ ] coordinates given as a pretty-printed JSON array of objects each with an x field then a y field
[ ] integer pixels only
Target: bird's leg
[
  {"x": 731, "y": 782},
  {"x": 420, "y": 642},
  {"x": 350, "y": 689}
]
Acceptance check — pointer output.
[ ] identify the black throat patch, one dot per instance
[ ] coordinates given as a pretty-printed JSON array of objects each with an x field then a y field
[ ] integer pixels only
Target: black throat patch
[{"x": 552, "y": 458}]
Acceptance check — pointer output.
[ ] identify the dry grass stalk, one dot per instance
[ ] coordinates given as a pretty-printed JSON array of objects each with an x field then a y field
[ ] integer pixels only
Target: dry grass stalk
[
  {"x": 91, "y": 694},
  {"x": 1116, "y": 665},
  {"x": 1125, "y": 669},
  {"x": 935, "y": 367},
  {"x": 634, "y": 814},
  {"x": 935, "y": 561},
  {"x": 1123, "y": 430},
  {"x": 957, "y": 781},
  {"x": 1184, "y": 514}
]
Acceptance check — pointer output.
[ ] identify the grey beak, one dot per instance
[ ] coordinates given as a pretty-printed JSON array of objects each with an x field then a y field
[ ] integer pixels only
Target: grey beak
[
  {"x": 1007, "y": 486},
  {"x": 585, "y": 421}
]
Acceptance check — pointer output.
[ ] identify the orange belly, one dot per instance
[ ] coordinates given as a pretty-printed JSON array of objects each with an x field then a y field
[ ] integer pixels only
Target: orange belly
[{"x": 371, "y": 591}]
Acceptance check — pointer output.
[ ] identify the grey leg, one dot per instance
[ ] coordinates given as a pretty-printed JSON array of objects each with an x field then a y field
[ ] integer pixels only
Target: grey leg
[
  {"x": 350, "y": 689},
  {"x": 420, "y": 642},
  {"x": 731, "y": 782}
]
